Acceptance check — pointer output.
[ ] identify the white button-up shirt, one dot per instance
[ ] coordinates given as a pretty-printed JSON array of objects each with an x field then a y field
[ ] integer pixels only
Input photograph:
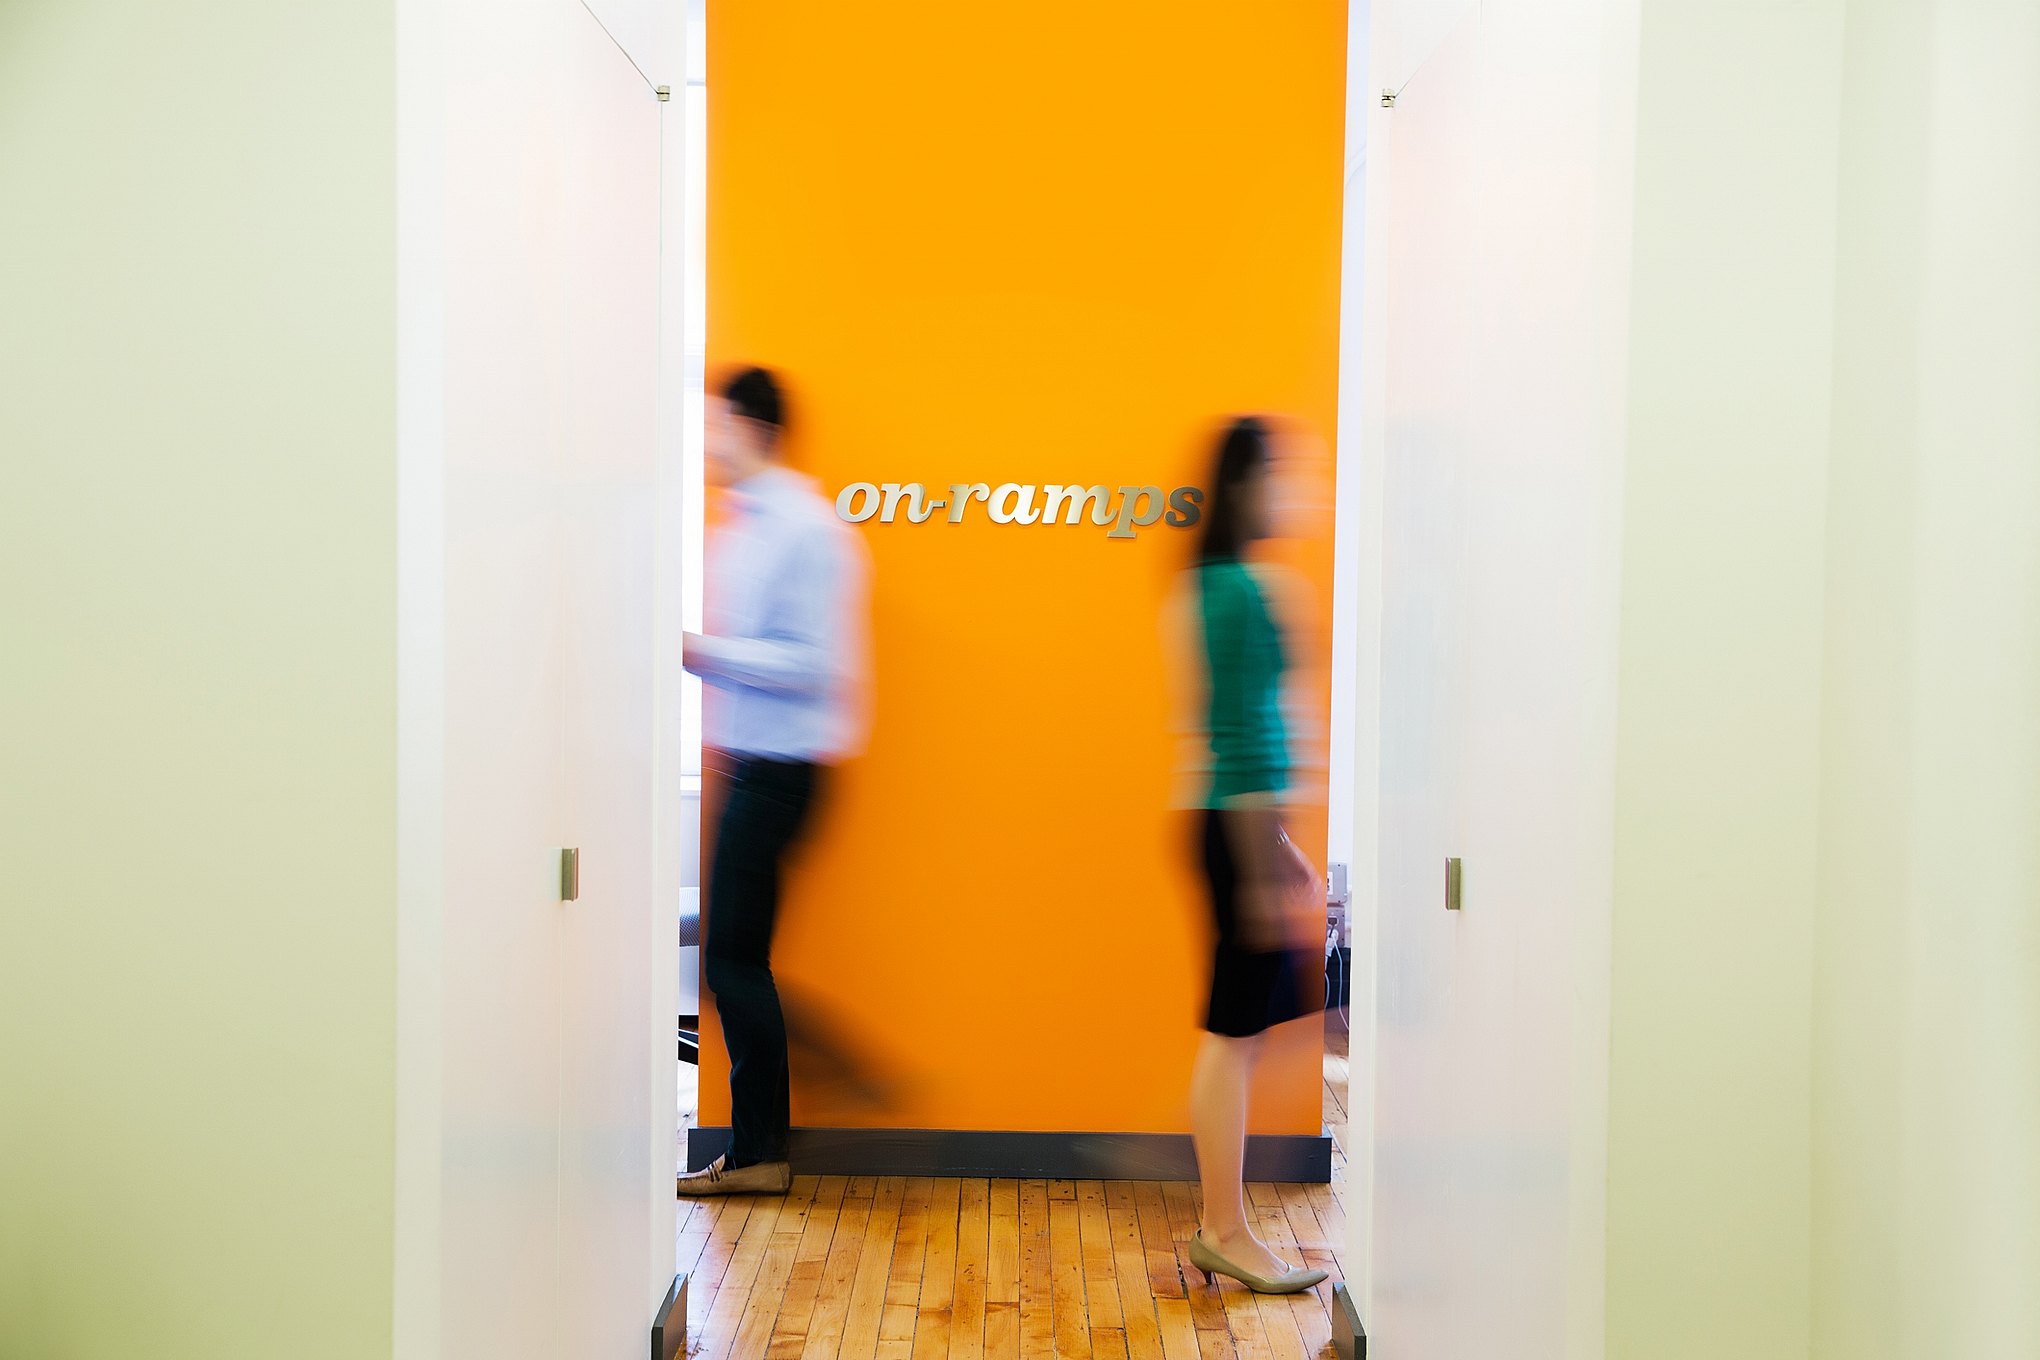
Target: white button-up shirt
[{"x": 783, "y": 662}]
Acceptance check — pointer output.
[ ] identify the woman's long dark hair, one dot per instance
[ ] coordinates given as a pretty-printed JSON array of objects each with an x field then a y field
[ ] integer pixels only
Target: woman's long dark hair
[{"x": 1242, "y": 453}]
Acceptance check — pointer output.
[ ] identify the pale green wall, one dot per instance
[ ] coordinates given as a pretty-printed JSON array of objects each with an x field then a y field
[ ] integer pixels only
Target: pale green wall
[
  {"x": 1927, "y": 1000},
  {"x": 1861, "y": 992},
  {"x": 1825, "y": 1024},
  {"x": 1718, "y": 758},
  {"x": 1823, "y": 981},
  {"x": 197, "y": 678}
]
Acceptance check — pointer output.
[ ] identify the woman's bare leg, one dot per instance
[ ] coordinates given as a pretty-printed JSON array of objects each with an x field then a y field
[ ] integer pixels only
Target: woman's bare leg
[{"x": 1218, "y": 1116}]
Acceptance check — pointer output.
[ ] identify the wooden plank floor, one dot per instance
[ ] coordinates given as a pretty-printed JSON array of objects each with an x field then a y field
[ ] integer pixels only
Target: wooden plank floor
[
  {"x": 896, "y": 1268},
  {"x": 900, "y": 1268}
]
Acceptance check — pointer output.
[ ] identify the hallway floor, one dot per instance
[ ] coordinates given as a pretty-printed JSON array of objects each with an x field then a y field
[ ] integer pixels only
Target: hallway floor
[
  {"x": 910, "y": 1268},
  {"x": 906, "y": 1268}
]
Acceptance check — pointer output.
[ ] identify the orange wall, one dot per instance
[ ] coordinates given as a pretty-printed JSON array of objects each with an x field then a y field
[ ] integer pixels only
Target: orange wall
[{"x": 1041, "y": 243}]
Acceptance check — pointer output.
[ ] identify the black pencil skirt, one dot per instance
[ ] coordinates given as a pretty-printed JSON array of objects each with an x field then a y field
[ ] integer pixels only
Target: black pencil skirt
[{"x": 1251, "y": 989}]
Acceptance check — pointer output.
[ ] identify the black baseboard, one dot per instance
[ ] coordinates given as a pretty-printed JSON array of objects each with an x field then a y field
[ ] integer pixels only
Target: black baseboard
[
  {"x": 1014, "y": 1155},
  {"x": 669, "y": 1328},
  {"x": 1349, "y": 1338}
]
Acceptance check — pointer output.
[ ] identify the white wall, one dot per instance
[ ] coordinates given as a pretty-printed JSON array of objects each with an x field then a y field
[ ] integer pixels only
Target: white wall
[
  {"x": 1356, "y": 637},
  {"x": 538, "y": 1130},
  {"x": 680, "y": 55},
  {"x": 1497, "y": 201},
  {"x": 1350, "y": 837},
  {"x": 332, "y": 574},
  {"x": 1745, "y": 330},
  {"x": 197, "y": 707}
]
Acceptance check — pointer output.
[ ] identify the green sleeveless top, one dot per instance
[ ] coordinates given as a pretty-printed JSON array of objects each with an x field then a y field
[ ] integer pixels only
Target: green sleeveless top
[{"x": 1243, "y": 658}]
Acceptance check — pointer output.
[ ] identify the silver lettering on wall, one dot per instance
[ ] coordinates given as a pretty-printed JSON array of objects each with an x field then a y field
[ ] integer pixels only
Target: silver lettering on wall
[
  {"x": 1074, "y": 497},
  {"x": 1148, "y": 499},
  {"x": 1014, "y": 504},
  {"x": 918, "y": 509},
  {"x": 1122, "y": 513},
  {"x": 960, "y": 496},
  {"x": 847, "y": 498}
]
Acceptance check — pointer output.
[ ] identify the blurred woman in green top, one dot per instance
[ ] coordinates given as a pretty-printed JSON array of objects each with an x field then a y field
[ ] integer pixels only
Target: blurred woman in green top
[{"x": 1257, "y": 879}]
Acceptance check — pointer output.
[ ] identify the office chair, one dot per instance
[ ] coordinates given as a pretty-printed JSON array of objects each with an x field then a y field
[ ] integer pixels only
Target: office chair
[{"x": 690, "y": 1025}]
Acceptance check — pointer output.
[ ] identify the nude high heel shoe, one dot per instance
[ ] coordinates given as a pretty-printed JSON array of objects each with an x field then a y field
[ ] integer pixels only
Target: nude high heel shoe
[{"x": 1212, "y": 1264}]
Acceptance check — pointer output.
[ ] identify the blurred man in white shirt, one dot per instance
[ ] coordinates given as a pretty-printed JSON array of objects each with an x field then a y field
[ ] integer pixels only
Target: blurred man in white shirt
[{"x": 782, "y": 666}]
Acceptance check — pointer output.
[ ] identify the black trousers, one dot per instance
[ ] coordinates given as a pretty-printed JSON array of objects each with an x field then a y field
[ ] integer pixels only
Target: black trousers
[{"x": 765, "y": 812}]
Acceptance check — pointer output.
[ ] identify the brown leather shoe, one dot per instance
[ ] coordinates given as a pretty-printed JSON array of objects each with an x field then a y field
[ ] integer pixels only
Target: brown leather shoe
[{"x": 765, "y": 1178}]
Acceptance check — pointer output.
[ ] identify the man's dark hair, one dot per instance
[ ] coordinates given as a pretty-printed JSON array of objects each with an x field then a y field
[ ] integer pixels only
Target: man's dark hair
[{"x": 754, "y": 394}]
